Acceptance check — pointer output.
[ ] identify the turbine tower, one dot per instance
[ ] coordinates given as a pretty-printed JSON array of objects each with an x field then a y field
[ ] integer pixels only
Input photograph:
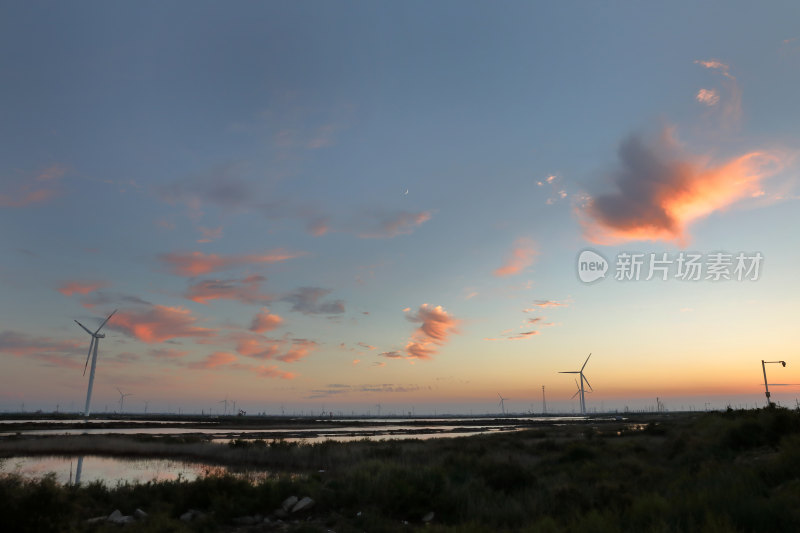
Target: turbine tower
[
  {"x": 122, "y": 398},
  {"x": 581, "y": 389},
  {"x": 502, "y": 403},
  {"x": 96, "y": 336}
]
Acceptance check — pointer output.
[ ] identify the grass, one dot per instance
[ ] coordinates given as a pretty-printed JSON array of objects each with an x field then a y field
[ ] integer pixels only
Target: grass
[{"x": 737, "y": 471}]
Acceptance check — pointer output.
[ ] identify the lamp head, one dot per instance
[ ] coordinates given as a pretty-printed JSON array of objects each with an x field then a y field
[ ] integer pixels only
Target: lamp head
[{"x": 783, "y": 363}]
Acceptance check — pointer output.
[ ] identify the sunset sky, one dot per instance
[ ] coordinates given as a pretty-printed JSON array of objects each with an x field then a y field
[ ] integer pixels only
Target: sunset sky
[{"x": 333, "y": 205}]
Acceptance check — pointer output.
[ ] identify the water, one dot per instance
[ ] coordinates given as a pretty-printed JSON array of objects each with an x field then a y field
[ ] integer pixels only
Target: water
[{"x": 112, "y": 470}]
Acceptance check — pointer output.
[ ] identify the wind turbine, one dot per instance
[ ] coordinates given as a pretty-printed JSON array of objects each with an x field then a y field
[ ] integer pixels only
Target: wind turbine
[
  {"x": 502, "y": 403},
  {"x": 581, "y": 390},
  {"x": 96, "y": 336},
  {"x": 225, "y": 401},
  {"x": 122, "y": 399}
]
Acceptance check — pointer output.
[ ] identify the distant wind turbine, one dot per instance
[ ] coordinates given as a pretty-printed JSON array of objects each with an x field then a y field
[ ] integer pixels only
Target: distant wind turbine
[
  {"x": 122, "y": 398},
  {"x": 502, "y": 403},
  {"x": 96, "y": 336},
  {"x": 225, "y": 401},
  {"x": 581, "y": 389}
]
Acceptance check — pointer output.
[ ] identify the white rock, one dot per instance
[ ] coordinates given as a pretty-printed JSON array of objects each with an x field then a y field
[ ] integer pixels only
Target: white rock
[
  {"x": 289, "y": 502},
  {"x": 139, "y": 514},
  {"x": 116, "y": 515},
  {"x": 97, "y": 519},
  {"x": 428, "y": 517},
  {"x": 303, "y": 505}
]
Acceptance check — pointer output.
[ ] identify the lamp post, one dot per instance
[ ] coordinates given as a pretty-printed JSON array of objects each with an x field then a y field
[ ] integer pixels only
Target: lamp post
[{"x": 766, "y": 387}]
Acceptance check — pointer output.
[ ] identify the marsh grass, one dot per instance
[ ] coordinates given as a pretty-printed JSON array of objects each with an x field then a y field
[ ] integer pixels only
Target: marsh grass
[{"x": 734, "y": 472}]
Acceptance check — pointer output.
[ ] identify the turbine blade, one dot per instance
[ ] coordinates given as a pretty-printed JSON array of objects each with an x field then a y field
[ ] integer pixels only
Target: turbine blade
[
  {"x": 573, "y": 396},
  {"x": 91, "y": 344},
  {"x": 587, "y": 382},
  {"x": 584, "y": 364},
  {"x": 106, "y": 320},
  {"x": 571, "y": 372},
  {"x": 84, "y": 328}
]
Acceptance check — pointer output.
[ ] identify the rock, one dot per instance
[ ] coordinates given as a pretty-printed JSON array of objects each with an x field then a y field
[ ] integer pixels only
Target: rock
[
  {"x": 190, "y": 515},
  {"x": 97, "y": 519},
  {"x": 118, "y": 518},
  {"x": 289, "y": 502},
  {"x": 280, "y": 513},
  {"x": 303, "y": 505},
  {"x": 138, "y": 514},
  {"x": 428, "y": 517}
]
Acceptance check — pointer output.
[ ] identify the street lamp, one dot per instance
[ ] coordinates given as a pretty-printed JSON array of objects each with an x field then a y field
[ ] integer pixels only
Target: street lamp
[{"x": 766, "y": 387}]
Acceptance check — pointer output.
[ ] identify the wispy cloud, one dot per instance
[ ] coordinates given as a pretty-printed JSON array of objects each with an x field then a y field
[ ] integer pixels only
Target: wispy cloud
[
  {"x": 168, "y": 353},
  {"x": 193, "y": 264},
  {"x": 365, "y": 345},
  {"x": 209, "y": 234},
  {"x": 158, "y": 324},
  {"x": 660, "y": 190},
  {"x": 307, "y": 300},
  {"x": 51, "y": 352},
  {"x": 247, "y": 290},
  {"x": 214, "y": 360},
  {"x": 273, "y": 372},
  {"x": 299, "y": 349},
  {"x": 543, "y": 304},
  {"x": 731, "y": 107},
  {"x": 265, "y": 321},
  {"x": 522, "y": 256},
  {"x": 34, "y": 188},
  {"x": 434, "y": 331},
  {"x": 68, "y": 288},
  {"x": 337, "y": 389},
  {"x": 388, "y": 225}
]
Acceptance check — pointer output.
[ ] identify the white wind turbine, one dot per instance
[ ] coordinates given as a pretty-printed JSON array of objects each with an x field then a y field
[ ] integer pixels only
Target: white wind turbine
[
  {"x": 581, "y": 390},
  {"x": 225, "y": 401},
  {"x": 502, "y": 403},
  {"x": 96, "y": 336},
  {"x": 122, "y": 398}
]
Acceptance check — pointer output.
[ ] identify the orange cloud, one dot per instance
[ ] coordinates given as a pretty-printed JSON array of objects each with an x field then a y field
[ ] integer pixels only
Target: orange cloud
[
  {"x": 158, "y": 324},
  {"x": 68, "y": 288},
  {"x": 247, "y": 290},
  {"x": 542, "y": 304},
  {"x": 732, "y": 107},
  {"x": 214, "y": 360},
  {"x": 661, "y": 191},
  {"x": 522, "y": 256},
  {"x": 256, "y": 346},
  {"x": 197, "y": 263},
  {"x": 436, "y": 327},
  {"x": 265, "y": 321}
]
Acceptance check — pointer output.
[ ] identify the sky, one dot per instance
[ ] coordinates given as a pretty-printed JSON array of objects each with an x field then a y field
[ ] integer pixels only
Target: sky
[{"x": 334, "y": 206}]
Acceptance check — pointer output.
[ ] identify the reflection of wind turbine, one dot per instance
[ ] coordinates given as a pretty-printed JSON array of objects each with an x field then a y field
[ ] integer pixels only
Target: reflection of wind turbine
[
  {"x": 122, "y": 398},
  {"x": 581, "y": 389},
  {"x": 502, "y": 403},
  {"x": 96, "y": 336}
]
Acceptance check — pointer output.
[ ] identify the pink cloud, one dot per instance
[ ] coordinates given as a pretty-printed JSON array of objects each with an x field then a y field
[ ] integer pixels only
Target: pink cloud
[
  {"x": 68, "y": 288},
  {"x": 197, "y": 263},
  {"x": 300, "y": 348},
  {"x": 434, "y": 330},
  {"x": 158, "y": 324},
  {"x": 50, "y": 351},
  {"x": 213, "y": 361},
  {"x": 709, "y": 97},
  {"x": 247, "y": 290},
  {"x": 265, "y": 321},
  {"x": 273, "y": 372},
  {"x": 255, "y": 346},
  {"x": 542, "y": 304},
  {"x": 209, "y": 234},
  {"x": 522, "y": 256}
]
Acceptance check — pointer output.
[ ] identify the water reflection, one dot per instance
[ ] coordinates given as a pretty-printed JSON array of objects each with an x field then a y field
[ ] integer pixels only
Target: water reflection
[{"x": 113, "y": 470}]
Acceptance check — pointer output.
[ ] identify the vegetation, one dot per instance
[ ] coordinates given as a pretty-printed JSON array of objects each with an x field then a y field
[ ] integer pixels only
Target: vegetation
[{"x": 737, "y": 471}]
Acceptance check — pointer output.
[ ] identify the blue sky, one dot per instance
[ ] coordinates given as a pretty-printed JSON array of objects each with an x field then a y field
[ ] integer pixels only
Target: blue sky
[{"x": 198, "y": 165}]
